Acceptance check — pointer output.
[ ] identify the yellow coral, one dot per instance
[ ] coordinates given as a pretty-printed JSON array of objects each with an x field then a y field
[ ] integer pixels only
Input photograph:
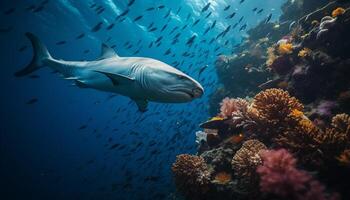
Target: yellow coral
[
  {"x": 297, "y": 113},
  {"x": 338, "y": 11},
  {"x": 285, "y": 48},
  {"x": 304, "y": 52},
  {"x": 222, "y": 178}
]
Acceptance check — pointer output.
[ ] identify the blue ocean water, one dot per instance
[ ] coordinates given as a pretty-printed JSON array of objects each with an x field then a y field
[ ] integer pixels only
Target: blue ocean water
[{"x": 73, "y": 143}]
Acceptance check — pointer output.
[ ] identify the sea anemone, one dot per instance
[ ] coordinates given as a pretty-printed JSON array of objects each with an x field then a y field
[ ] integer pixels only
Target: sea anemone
[
  {"x": 285, "y": 48},
  {"x": 192, "y": 175},
  {"x": 338, "y": 11},
  {"x": 247, "y": 158},
  {"x": 222, "y": 178},
  {"x": 279, "y": 176}
]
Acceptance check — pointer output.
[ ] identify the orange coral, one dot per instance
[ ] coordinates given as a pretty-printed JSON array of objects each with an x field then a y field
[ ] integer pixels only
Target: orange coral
[
  {"x": 338, "y": 11},
  {"x": 222, "y": 178},
  {"x": 192, "y": 175},
  {"x": 285, "y": 48}
]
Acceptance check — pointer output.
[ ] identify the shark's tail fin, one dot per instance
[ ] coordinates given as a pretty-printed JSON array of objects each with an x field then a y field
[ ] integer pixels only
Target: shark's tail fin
[{"x": 40, "y": 55}]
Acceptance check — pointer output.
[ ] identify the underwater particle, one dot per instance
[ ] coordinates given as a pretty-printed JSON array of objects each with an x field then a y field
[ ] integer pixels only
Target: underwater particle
[
  {"x": 304, "y": 52},
  {"x": 338, "y": 11},
  {"x": 344, "y": 158},
  {"x": 192, "y": 175},
  {"x": 285, "y": 48},
  {"x": 222, "y": 178},
  {"x": 247, "y": 158}
]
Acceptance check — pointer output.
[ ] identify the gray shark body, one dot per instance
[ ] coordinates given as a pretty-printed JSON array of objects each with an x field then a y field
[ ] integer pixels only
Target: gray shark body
[{"x": 141, "y": 79}]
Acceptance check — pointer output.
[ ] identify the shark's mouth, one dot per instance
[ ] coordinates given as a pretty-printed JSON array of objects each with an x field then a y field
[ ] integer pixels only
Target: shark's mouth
[{"x": 187, "y": 92}]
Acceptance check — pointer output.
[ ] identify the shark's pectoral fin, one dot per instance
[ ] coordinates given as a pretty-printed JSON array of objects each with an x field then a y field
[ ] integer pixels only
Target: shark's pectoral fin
[
  {"x": 81, "y": 84},
  {"x": 141, "y": 104},
  {"x": 117, "y": 79}
]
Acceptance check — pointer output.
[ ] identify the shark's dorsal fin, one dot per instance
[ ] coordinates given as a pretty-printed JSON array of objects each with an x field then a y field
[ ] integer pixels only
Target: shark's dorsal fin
[
  {"x": 107, "y": 52},
  {"x": 117, "y": 79}
]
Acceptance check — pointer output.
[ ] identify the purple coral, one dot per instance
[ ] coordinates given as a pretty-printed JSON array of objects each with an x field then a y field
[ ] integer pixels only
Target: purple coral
[{"x": 279, "y": 176}]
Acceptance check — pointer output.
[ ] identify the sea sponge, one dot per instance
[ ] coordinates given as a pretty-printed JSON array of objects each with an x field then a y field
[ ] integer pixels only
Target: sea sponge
[
  {"x": 285, "y": 48},
  {"x": 222, "y": 178},
  {"x": 279, "y": 176},
  {"x": 247, "y": 158},
  {"x": 231, "y": 105},
  {"x": 192, "y": 175},
  {"x": 338, "y": 11}
]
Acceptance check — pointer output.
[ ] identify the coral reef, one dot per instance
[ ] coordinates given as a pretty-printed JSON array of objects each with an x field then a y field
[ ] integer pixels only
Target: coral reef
[
  {"x": 289, "y": 138},
  {"x": 191, "y": 175}
]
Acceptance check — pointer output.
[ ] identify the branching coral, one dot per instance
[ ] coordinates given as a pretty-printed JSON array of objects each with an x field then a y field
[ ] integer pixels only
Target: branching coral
[
  {"x": 230, "y": 105},
  {"x": 304, "y": 52},
  {"x": 192, "y": 175},
  {"x": 279, "y": 176},
  {"x": 246, "y": 160},
  {"x": 344, "y": 158}
]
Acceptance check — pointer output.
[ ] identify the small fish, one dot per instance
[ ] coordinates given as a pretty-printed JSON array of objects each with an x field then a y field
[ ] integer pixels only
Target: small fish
[
  {"x": 240, "y": 20},
  {"x": 110, "y": 26},
  {"x": 82, "y": 127},
  {"x": 268, "y": 18},
  {"x": 255, "y": 9},
  {"x": 167, "y": 52},
  {"x": 231, "y": 15},
  {"x": 61, "y": 42},
  {"x": 97, "y": 27},
  {"x": 196, "y": 22},
  {"x": 202, "y": 70},
  {"x": 32, "y": 101},
  {"x": 153, "y": 29},
  {"x": 191, "y": 40},
  {"x": 260, "y": 11},
  {"x": 208, "y": 15},
  {"x": 131, "y": 2},
  {"x": 227, "y": 7},
  {"x": 161, "y": 7},
  {"x": 150, "y": 9},
  {"x": 80, "y": 36},
  {"x": 243, "y": 27},
  {"x": 213, "y": 25},
  {"x": 138, "y": 18},
  {"x": 206, "y": 7},
  {"x": 164, "y": 27},
  {"x": 9, "y": 11},
  {"x": 241, "y": 1},
  {"x": 178, "y": 10}
]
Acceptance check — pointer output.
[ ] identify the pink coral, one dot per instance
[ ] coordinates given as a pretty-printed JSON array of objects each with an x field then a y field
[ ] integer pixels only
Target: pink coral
[
  {"x": 279, "y": 176},
  {"x": 230, "y": 105}
]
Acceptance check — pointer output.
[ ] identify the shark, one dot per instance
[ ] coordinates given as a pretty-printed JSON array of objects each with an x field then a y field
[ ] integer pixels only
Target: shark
[{"x": 140, "y": 78}]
